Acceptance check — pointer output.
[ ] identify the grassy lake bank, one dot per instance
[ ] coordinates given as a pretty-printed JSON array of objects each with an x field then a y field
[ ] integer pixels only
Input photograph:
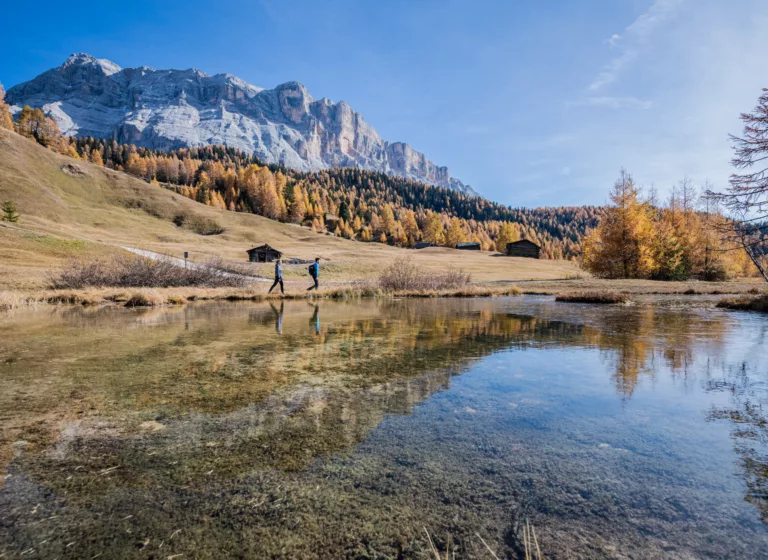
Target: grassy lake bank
[{"x": 619, "y": 290}]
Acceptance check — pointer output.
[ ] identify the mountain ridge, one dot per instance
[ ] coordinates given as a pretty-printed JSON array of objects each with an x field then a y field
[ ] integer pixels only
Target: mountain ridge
[{"x": 168, "y": 109}]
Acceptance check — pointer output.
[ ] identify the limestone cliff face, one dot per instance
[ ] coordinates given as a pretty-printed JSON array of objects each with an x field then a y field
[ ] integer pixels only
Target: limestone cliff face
[{"x": 166, "y": 109}]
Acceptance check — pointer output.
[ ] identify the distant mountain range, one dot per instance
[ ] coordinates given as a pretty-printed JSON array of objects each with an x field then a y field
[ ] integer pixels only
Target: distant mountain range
[{"x": 168, "y": 109}]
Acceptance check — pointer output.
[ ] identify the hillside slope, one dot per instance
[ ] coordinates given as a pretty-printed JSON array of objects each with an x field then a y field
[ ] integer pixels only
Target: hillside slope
[{"x": 86, "y": 210}]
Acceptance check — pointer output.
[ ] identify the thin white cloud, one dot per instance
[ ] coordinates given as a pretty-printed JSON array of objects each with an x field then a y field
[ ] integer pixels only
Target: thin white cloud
[
  {"x": 548, "y": 142},
  {"x": 633, "y": 38},
  {"x": 611, "y": 70},
  {"x": 612, "y": 103}
]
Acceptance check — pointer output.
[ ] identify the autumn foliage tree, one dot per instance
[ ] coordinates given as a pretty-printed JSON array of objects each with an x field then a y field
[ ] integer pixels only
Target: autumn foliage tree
[
  {"x": 95, "y": 158},
  {"x": 621, "y": 247},
  {"x": 433, "y": 229},
  {"x": 33, "y": 123},
  {"x": 675, "y": 240},
  {"x": 6, "y": 121},
  {"x": 507, "y": 234},
  {"x": 410, "y": 228}
]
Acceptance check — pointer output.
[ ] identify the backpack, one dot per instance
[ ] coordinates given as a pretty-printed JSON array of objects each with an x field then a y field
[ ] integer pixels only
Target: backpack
[{"x": 311, "y": 270}]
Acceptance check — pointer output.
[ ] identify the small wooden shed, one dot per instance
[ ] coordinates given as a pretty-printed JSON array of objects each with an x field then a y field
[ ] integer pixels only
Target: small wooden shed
[
  {"x": 265, "y": 253},
  {"x": 523, "y": 248},
  {"x": 330, "y": 221},
  {"x": 422, "y": 245},
  {"x": 468, "y": 246}
]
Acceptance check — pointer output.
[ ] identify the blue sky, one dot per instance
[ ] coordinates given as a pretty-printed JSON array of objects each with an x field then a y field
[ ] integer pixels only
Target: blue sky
[{"x": 532, "y": 102}]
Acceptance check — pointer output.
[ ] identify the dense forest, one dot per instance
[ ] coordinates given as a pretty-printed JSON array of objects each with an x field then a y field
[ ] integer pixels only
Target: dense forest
[{"x": 351, "y": 202}]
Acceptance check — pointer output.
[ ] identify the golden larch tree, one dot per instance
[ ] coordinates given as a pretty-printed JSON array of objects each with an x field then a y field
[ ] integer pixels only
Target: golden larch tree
[
  {"x": 455, "y": 233},
  {"x": 507, "y": 234},
  {"x": 621, "y": 246}
]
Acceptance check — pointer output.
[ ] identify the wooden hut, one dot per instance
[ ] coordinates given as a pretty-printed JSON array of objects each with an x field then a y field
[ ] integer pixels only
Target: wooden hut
[
  {"x": 422, "y": 245},
  {"x": 265, "y": 253},
  {"x": 523, "y": 248},
  {"x": 468, "y": 246},
  {"x": 331, "y": 221}
]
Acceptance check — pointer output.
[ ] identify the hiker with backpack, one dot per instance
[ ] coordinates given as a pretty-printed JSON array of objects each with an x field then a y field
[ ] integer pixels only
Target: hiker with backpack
[
  {"x": 314, "y": 272},
  {"x": 278, "y": 277}
]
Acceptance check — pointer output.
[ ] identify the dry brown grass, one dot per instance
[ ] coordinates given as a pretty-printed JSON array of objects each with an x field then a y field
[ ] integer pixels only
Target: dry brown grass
[
  {"x": 74, "y": 297},
  {"x": 468, "y": 292},
  {"x": 251, "y": 292},
  {"x": 14, "y": 300},
  {"x": 134, "y": 271},
  {"x": 745, "y": 303},
  {"x": 145, "y": 299},
  {"x": 531, "y": 543},
  {"x": 531, "y": 549},
  {"x": 644, "y": 287},
  {"x": 404, "y": 275},
  {"x": 593, "y": 297}
]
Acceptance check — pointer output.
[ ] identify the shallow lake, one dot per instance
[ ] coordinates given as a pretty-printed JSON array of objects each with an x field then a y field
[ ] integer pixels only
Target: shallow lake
[{"x": 351, "y": 430}]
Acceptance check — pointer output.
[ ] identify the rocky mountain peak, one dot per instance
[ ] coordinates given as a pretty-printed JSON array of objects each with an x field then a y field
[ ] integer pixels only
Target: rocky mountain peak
[
  {"x": 83, "y": 59},
  {"x": 167, "y": 109},
  {"x": 294, "y": 101}
]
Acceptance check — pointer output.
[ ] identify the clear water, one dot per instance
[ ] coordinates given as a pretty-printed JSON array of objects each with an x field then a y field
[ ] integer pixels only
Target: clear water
[{"x": 348, "y": 430}]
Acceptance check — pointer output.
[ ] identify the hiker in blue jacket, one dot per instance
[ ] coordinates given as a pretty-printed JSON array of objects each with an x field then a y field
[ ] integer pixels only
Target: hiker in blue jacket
[
  {"x": 278, "y": 277},
  {"x": 314, "y": 272}
]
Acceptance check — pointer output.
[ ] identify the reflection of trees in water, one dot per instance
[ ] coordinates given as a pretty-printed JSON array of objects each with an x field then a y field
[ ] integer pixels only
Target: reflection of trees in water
[
  {"x": 365, "y": 370},
  {"x": 638, "y": 342},
  {"x": 204, "y": 361},
  {"x": 218, "y": 360},
  {"x": 748, "y": 412}
]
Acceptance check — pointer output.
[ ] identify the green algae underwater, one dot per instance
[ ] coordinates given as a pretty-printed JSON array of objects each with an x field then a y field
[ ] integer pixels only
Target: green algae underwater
[{"x": 344, "y": 430}]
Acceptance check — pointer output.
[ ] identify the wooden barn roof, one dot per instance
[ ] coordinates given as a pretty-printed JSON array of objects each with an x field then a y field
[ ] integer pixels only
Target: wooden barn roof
[
  {"x": 522, "y": 242},
  {"x": 264, "y": 248}
]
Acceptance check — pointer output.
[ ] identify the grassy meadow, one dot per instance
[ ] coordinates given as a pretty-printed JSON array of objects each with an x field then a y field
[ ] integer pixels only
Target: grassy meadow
[{"x": 73, "y": 210}]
